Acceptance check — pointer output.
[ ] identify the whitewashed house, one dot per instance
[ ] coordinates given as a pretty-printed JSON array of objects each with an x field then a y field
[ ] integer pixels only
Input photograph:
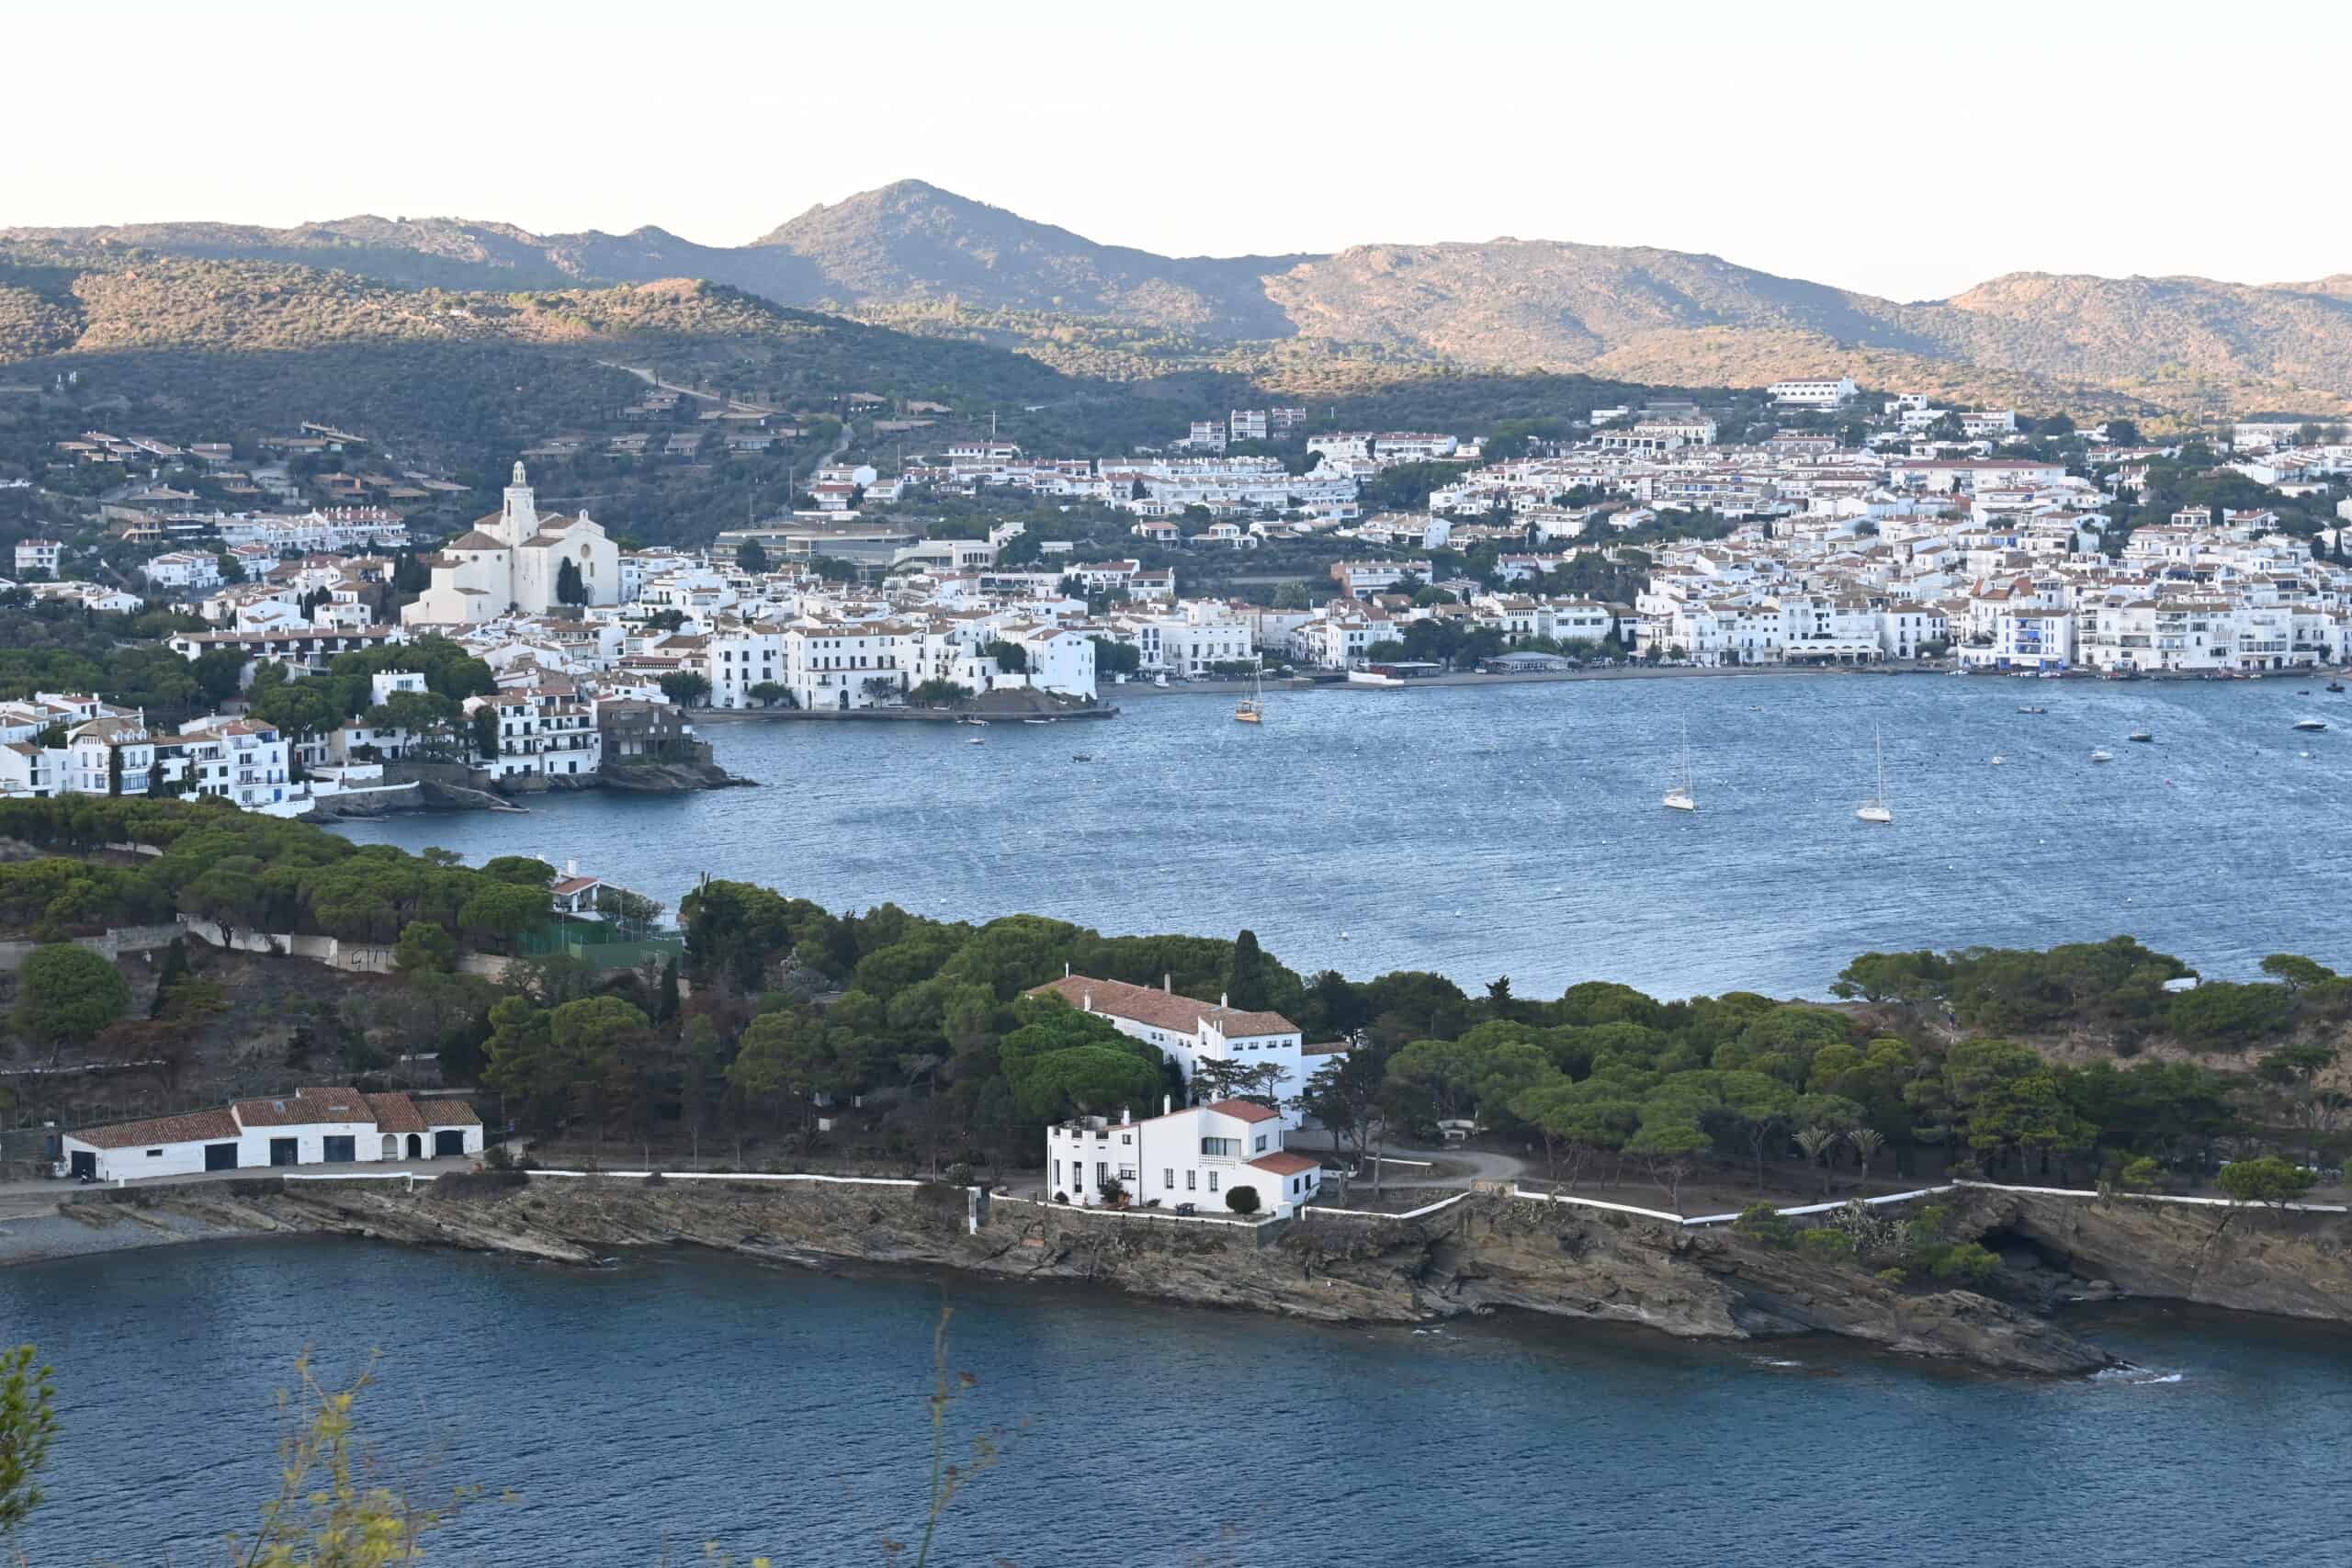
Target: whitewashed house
[{"x": 1200, "y": 1154}]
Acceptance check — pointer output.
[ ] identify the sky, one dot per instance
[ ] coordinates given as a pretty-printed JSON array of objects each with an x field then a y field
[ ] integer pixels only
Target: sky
[{"x": 1908, "y": 150}]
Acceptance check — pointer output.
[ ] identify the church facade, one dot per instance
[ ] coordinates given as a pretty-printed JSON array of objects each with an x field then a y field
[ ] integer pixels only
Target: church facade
[{"x": 515, "y": 559}]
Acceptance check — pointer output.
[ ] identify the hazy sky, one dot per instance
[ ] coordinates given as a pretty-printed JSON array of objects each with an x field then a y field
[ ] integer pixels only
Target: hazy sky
[{"x": 1905, "y": 150}]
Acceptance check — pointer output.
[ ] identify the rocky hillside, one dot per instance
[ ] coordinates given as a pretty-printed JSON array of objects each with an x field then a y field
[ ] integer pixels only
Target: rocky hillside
[
  {"x": 1638, "y": 314},
  {"x": 911, "y": 241}
]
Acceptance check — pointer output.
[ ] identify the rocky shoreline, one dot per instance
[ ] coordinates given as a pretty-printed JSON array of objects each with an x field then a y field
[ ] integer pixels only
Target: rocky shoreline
[{"x": 1486, "y": 1253}]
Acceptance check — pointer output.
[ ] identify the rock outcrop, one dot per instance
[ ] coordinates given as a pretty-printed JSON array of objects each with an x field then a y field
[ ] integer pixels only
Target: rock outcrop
[{"x": 2286, "y": 1263}]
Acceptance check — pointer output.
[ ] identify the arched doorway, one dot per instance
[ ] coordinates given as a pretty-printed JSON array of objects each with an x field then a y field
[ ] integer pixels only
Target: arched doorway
[
  {"x": 391, "y": 1146},
  {"x": 416, "y": 1146}
]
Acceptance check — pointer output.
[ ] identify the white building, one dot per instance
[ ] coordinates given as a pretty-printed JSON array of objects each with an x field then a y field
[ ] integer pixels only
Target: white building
[
  {"x": 1814, "y": 393},
  {"x": 311, "y": 1126},
  {"x": 38, "y": 555},
  {"x": 1189, "y": 1031},
  {"x": 1201, "y": 1155}
]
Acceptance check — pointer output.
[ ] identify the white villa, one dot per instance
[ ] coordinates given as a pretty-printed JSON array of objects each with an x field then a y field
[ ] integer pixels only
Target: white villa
[
  {"x": 1187, "y": 1030},
  {"x": 309, "y": 1126},
  {"x": 514, "y": 560},
  {"x": 1198, "y": 1155}
]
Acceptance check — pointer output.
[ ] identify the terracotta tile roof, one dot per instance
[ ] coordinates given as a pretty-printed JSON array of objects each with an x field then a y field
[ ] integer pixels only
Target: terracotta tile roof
[
  {"x": 1163, "y": 1009},
  {"x": 395, "y": 1114},
  {"x": 448, "y": 1113},
  {"x": 1284, "y": 1163},
  {"x": 303, "y": 1108},
  {"x": 1242, "y": 1110},
  {"x": 201, "y": 1125}
]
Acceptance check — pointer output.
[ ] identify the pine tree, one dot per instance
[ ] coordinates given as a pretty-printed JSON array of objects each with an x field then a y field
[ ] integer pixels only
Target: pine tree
[{"x": 1245, "y": 975}]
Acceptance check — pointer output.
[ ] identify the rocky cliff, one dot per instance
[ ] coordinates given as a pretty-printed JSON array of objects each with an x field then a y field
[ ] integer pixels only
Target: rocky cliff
[
  {"x": 2247, "y": 1259},
  {"x": 1485, "y": 1254}
]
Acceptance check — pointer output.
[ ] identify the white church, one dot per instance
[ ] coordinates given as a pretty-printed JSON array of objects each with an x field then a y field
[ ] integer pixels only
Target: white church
[{"x": 514, "y": 560}]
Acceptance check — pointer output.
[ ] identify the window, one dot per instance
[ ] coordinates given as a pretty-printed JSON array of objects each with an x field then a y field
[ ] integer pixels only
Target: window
[
  {"x": 1212, "y": 1180},
  {"x": 1258, "y": 1145},
  {"x": 1191, "y": 1179},
  {"x": 1057, "y": 1173},
  {"x": 1214, "y": 1147},
  {"x": 1126, "y": 1137},
  {"x": 1102, "y": 1172},
  {"x": 1168, "y": 1178},
  {"x": 154, "y": 1154}
]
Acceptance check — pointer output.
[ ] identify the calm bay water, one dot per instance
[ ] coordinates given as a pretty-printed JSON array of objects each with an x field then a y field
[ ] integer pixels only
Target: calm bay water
[
  {"x": 1516, "y": 829},
  {"x": 688, "y": 1399}
]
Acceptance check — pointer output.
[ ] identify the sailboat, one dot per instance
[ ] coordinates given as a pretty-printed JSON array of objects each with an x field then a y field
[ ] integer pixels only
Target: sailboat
[
  {"x": 1875, "y": 809},
  {"x": 1252, "y": 708},
  {"x": 1681, "y": 798}
]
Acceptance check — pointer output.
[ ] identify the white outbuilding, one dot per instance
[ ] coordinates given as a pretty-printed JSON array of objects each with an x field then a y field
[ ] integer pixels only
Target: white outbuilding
[{"x": 309, "y": 1126}]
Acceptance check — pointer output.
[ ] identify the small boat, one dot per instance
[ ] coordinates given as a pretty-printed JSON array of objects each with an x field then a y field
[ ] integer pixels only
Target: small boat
[
  {"x": 1082, "y": 756},
  {"x": 977, "y": 740},
  {"x": 2336, "y": 686},
  {"x": 973, "y": 719},
  {"x": 2311, "y": 725},
  {"x": 2102, "y": 756},
  {"x": 1999, "y": 759},
  {"x": 1875, "y": 809},
  {"x": 2034, "y": 707},
  {"x": 2140, "y": 738},
  {"x": 1681, "y": 796},
  {"x": 1252, "y": 708},
  {"x": 1036, "y": 721}
]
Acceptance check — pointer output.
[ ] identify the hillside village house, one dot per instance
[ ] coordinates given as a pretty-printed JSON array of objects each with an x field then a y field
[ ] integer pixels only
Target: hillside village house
[
  {"x": 1189, "y": 1031},
  {"x": 311, "y": 1126},
  {"x": 1198, "y": 1155}
]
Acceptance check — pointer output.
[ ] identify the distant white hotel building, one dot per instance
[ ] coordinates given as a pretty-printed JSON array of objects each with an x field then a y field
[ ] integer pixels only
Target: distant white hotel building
[{"x": 1814, "y": 394}]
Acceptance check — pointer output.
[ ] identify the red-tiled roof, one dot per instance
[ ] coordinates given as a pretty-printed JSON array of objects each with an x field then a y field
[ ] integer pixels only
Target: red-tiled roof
[
  {"x": 1242, "y": 1110},
  {"x": 448, "y": 1113},
  {"x": 196, "y": 1126},
  {"x": 1284, "y": 1163},
  {"x": 1161, "y": 1008}
]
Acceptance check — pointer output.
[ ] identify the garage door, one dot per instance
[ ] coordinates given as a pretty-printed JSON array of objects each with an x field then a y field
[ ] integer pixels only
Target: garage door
[
  {"x": 339, "y": 1150},
  {"x": 283, "y": 1151},
  {"x": 219, "y": 1156},
  {"x": 448, "y": 1143},
  {"x": 84, "y": 1163}
]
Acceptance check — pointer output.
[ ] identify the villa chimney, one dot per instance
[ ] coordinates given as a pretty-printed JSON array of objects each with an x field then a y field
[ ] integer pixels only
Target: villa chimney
[
  {"x": 1125, "y": 1117},
  {"x": 1167, "y": 1105},
  {"x": 1086, "y": 1002},
  {"x": 1064, "y": 971},
  {"x": 1220, "y": 999},
  {"x": 1167, "y": 982}
]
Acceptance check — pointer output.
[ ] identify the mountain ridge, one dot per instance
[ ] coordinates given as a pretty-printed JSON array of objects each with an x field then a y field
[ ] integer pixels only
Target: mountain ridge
[{"x": 2194, "y": 346}]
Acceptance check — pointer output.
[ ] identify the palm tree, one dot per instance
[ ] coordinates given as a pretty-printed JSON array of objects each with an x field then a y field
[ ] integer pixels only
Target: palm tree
[
  {"x": 1867, "y": 1141},
  {"x": 1816, "y": 1142}
]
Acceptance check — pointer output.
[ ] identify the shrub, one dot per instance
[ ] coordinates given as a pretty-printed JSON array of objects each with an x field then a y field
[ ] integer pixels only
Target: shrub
[
  {"x": 1892, "y": 1276},
  {"x": 1761, "y": 1222},
  {"x": 1966, "y": 1261},
  {"x": 1242, "y": 1200},
  {"x": 959, "y": 1174},
  {"x": 1113, "y": 1190},
  {"x": 2143, "y": 1175},
  {"x": 655, "y": 1179},
  {"x": 1827, "y": 1242}
]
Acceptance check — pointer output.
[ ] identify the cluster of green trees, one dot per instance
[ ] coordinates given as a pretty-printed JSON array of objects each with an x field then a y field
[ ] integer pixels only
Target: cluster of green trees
[
  {"x": 250, "y": 873},
  {"x": 52, "y": 646},
  {"x": 2117, "y": 992}
]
